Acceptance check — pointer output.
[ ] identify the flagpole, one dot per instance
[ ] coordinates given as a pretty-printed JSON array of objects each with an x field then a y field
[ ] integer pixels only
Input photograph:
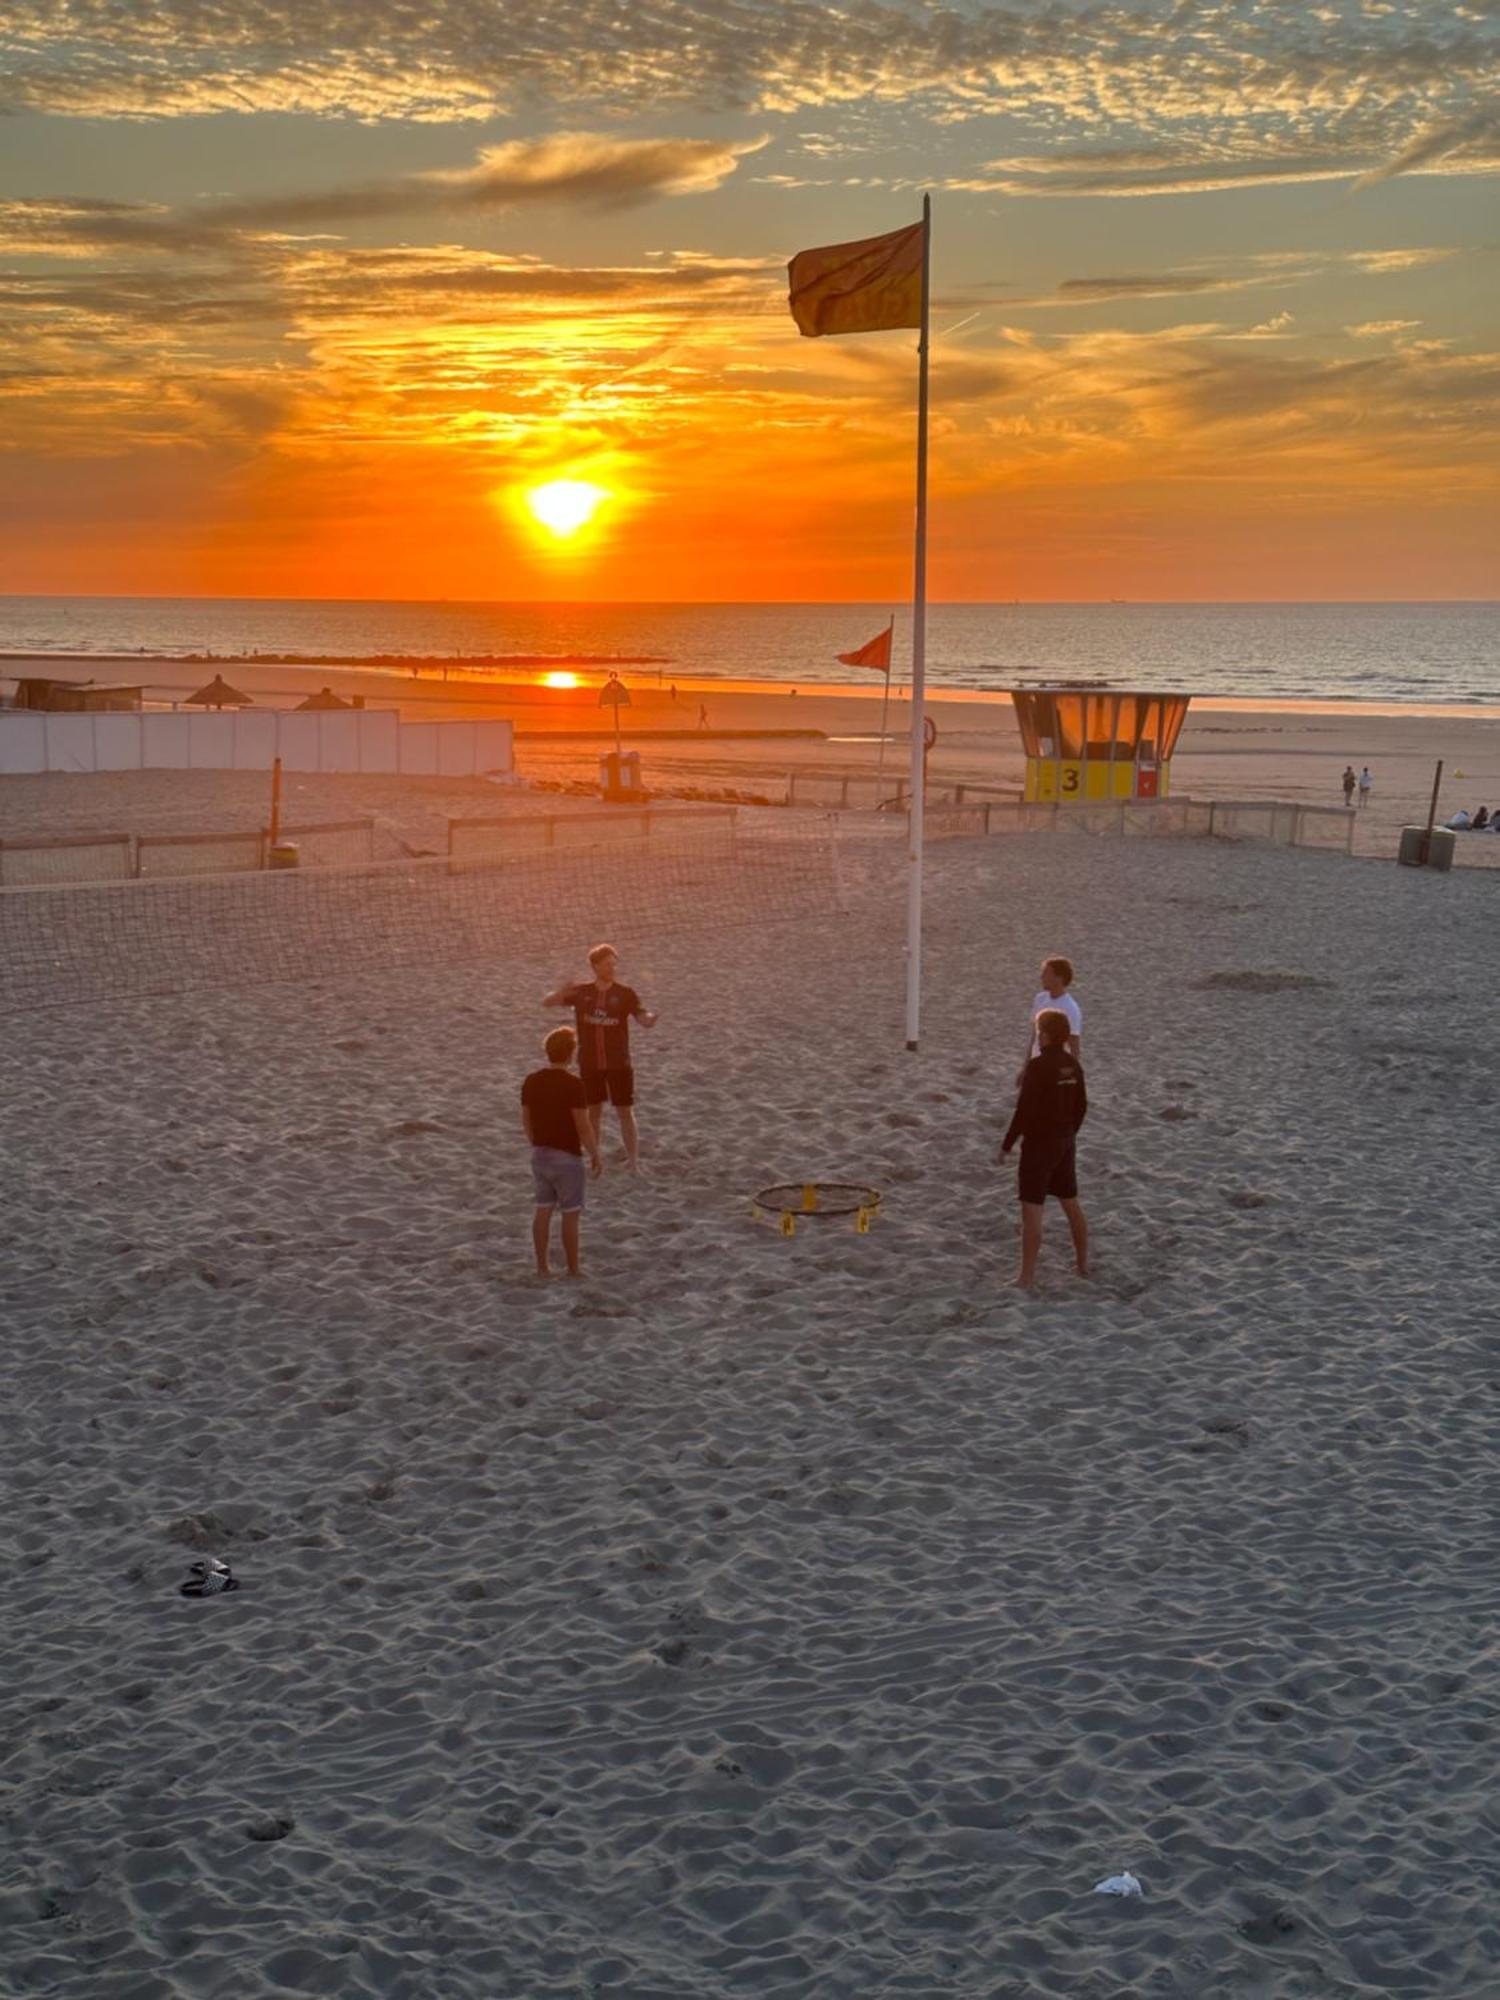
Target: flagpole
[
  {"x": 918, "y": 667},
  {"x": 885, "y": 703}
]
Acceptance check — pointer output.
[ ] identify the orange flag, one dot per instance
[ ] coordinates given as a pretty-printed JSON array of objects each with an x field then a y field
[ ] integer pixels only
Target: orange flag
[
  {"x": 874, "y": 653},
  {"x": 860, "y": 287}
]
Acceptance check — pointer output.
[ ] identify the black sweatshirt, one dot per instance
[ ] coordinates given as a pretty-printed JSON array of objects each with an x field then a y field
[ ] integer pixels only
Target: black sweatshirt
[{"x": 1053, "y": 1100}]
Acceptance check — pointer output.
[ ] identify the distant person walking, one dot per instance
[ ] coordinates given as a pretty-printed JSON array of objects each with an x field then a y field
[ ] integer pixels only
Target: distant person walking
[
  {"x": 1056, "y": 977},
  {"x": 1052, "y": 1105},
  {"x": 554, "y": 1112},
  {"x": 603, "y": 1010},
  {"x": 702, "y": 716},
  {"x": 672, "y": 691},
  {"x": 1349, "y": 781},
  {"x": 1365, "y": 782}
]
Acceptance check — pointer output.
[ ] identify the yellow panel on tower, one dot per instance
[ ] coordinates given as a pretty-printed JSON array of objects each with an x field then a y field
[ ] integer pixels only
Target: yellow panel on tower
[{"x": 1084, "y": 745}]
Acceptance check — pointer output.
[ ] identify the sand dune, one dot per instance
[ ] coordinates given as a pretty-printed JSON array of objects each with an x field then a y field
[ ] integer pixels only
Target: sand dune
[{"x": 799, "y": 1618}]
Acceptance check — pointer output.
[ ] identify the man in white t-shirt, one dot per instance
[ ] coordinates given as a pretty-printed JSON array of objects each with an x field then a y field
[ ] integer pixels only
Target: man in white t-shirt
[{"x": 1057, "y": 977}]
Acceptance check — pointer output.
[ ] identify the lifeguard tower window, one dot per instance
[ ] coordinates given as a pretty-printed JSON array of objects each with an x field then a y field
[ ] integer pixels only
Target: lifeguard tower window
[{"x": 1083, "y": 744}]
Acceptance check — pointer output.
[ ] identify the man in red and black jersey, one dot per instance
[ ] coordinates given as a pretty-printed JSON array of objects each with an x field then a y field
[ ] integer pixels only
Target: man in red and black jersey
[
  {"x": 603, "y": 1010},
  {"x": 1048, "y": 1113}
]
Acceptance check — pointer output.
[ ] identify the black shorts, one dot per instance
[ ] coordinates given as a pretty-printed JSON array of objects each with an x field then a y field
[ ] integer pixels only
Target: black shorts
[
  {"x": 618, "y": 1085},
  {"x": 1048, "y": 1169}
]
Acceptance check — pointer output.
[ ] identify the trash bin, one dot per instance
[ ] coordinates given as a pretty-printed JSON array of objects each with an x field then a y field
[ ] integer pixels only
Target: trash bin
[
  {"x": 1421, "y": 849},
  {"x": 620, "y": 774},
  {"x": 283, "y": 854}
]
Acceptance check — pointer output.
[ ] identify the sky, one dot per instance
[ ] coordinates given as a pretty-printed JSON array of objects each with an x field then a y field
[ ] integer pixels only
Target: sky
[{"x": 306, "y": 300}]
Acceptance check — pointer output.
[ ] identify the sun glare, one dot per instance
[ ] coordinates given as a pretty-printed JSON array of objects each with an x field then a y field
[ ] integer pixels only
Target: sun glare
[
  {"x": 563, "y": 506},
  {"x": 559, "y": 678}
]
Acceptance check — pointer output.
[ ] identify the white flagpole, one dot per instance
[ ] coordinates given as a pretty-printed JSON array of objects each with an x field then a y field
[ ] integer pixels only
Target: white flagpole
[
  {"x": 918, "y": 667},
  {"x": 885, "y": 703}
]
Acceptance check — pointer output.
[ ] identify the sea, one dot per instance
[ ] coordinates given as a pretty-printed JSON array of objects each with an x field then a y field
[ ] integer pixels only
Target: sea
[{"x": 1437, "y": 654}]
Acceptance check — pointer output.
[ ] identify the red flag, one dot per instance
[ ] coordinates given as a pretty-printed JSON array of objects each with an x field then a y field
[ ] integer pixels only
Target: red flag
[
  {"x": 874, "y": 653},
  {"x": 859, "y": 287}
]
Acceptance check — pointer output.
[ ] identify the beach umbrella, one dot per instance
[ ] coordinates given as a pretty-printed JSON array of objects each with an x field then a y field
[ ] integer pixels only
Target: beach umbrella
[
  {"x": 324, "y": 698},
  {"x": 219, "y": 694}
]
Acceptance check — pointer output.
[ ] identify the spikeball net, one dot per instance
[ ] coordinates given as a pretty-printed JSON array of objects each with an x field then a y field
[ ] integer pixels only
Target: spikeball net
[{"x": 817, "y": 1201}]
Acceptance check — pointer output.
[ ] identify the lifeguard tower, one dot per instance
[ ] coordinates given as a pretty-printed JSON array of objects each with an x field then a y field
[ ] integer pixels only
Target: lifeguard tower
[{"x": 1087, "y": 745}]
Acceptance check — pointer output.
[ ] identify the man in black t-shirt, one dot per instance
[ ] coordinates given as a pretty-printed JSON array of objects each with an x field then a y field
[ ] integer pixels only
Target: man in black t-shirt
[
  {"x": 555, "y": 1115},
  {"x": 1051, "y": 1107},
  {"x": 603, "y": 1010}
]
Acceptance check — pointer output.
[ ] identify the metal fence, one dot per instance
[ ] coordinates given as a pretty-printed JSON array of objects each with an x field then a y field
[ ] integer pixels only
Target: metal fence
[
  {"x": 56, "y": 860},
  {"x": 1276, "y": 821},
  {"x": 482, "y": 843}
]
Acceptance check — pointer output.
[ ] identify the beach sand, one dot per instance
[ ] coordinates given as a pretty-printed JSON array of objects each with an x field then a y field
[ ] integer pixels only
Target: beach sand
[{"x": 805, "y": 1618}]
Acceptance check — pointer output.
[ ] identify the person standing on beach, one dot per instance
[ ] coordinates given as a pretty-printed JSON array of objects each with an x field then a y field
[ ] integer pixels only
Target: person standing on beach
[
  {"x": 1056, "y": 977},
  {"x": 603, "y": 1010},
  {"x": 702, "y": 716},
  {"x": 1365, "y": 782},
  {"x": 1349, "y": 782},
  {"x": 554, "y": 1112},
  {"x": 1049, "y": 1110}
]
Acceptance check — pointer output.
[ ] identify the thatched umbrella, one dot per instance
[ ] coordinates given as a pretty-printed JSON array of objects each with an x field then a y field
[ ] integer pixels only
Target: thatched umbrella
[
  {"x": 219, "y": 694},
  {"x": 324, "y": 698}
]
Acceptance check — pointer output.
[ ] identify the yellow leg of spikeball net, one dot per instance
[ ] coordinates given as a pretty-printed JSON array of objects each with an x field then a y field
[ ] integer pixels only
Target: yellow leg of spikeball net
[
  {"x": 809, "y": 1197},
  {"x": 789, "y": 1224},
  {"x": 862, "y": 1223}
]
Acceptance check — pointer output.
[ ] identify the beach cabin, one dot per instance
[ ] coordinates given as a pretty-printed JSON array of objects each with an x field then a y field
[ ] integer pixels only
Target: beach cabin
[
  {"x": 1086, "y": 745},
  {"x": 55, "y": 697}
]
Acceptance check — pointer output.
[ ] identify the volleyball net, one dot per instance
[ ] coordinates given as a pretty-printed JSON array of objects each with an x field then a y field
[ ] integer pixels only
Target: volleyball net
[{"x": 107, "y": 941}]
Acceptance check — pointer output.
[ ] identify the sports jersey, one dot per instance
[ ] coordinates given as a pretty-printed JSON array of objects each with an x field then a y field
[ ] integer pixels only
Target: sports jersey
[{"x": 603, "y": 1021}]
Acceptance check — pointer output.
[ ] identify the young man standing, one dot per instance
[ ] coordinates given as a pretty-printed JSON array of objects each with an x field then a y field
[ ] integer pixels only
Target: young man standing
[
  {"x": 1057, "y": 977},
  {"x": 604, "y": 1010},
  {"x": 555, "y": 1115},
  {"x": 1365, "y": 782},
  {"x": 1349, "y": 781},
  {"x": 1048, "y": 1113}
]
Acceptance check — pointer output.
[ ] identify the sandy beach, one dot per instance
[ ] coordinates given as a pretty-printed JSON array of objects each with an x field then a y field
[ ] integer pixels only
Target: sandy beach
[
  {"x": 801, "y": 1617},
  {"x": 759, "y": 736}
]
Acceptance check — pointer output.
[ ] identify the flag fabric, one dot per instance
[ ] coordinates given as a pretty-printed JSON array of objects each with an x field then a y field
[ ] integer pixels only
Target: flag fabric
[
  {"x": 874, "y": 653},
  {"x": 861, "y": 287}
]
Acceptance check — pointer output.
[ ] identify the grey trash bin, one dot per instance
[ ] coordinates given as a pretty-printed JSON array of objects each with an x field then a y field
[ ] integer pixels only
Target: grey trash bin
[{"x": 1420, "y": 849}]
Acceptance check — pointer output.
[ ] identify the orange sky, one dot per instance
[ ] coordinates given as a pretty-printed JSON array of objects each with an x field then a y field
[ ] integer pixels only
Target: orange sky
[{"x": 1202, "y": 331}]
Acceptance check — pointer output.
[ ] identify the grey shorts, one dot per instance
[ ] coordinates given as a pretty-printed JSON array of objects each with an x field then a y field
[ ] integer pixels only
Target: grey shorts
[{"x": 558, "y": 1178}]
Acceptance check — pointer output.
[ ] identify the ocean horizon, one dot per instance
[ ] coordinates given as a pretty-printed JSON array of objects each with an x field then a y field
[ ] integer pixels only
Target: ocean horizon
[{"x": 1418, "y": 653}]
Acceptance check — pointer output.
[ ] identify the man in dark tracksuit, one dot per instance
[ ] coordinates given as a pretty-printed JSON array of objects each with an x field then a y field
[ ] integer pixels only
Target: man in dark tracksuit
[{"x": 1048, "y": 1113}]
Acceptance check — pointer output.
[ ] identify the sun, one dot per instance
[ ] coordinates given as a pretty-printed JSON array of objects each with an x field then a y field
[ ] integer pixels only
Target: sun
[{"x": 563, "y": 506}]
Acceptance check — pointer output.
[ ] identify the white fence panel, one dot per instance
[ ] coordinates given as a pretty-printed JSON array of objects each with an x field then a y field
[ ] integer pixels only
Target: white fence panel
[
  {"x": 299, "y": 740},
  {"x": 338, "y": 742},
  {"x": 455, "y": 753},
  {"x": 494, "y": 746},
  {"x": 23, "y": 743},
  {"x": 311, "y": 740},
  {"x": 70, "y": 742},
  {"x": 211, "y": 740},
  {"x": 254, "y": 740},
  {"x": 419, "y": 749},
  {"x": 117, "y": 742},
  {"x": 166, "y": 742},
  {"x": 380, "y": 740}
]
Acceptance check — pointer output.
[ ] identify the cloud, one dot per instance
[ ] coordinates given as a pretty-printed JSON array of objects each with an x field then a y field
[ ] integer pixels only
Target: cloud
[
  {"x": 1376, "y": 329},
  {"x": 1125, "y": 97},
  {"x": 582, "y": 168},
  {"x": 1444, "y": 146},
  {"x": 1189, "y": 169},
  {"x": 1164, "y": 284}
]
